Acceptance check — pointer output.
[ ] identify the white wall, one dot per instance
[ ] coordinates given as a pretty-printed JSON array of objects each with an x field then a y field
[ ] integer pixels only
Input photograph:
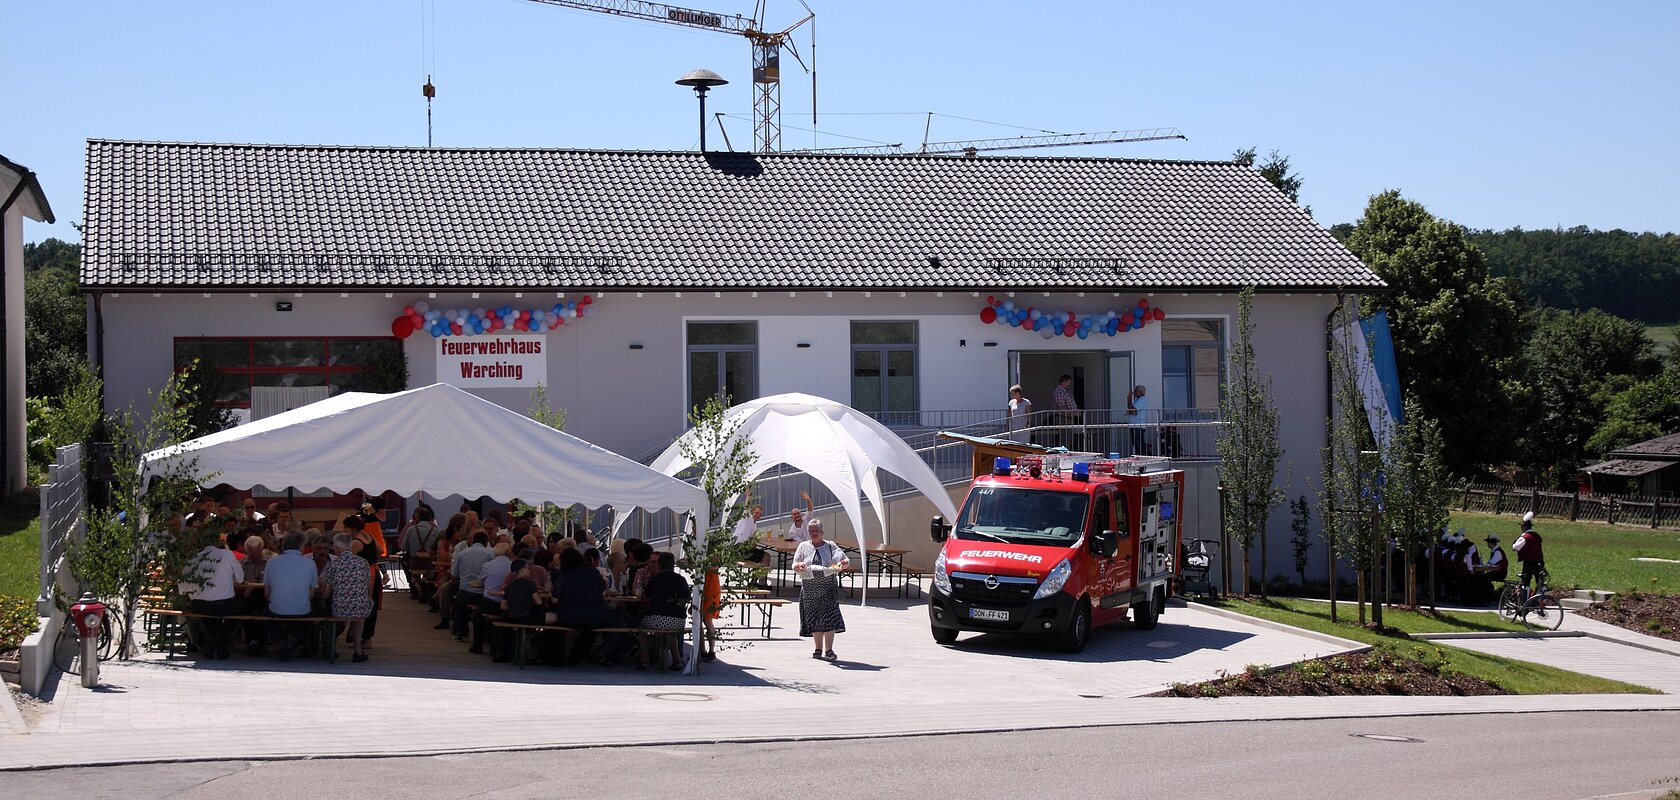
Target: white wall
[
  {"x": 11, "y": 271},
  {"x": 632, "y": 401}
]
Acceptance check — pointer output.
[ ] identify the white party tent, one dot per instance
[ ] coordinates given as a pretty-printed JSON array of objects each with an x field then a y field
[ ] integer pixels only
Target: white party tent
[
  {"x": 436, "y": 439},
  {"x": 837, "y": 445}
]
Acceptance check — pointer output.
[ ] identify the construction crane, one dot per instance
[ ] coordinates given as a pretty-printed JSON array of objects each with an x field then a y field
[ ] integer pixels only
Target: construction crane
[
  {"x": 971, "y": 147},
  {"x": 766, "y": 51}
]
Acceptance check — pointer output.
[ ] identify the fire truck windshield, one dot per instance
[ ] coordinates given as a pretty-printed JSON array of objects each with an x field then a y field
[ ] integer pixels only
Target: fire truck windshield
[{"x": 1022, "y": 516}]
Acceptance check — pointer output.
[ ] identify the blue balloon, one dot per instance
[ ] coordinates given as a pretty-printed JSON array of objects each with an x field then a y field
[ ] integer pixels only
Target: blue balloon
[
  {"x": 1084, "y": 332},
  {"x": 1137, "y": 322}
]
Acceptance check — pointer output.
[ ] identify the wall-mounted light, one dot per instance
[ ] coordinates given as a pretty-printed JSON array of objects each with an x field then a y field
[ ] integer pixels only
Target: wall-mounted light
[
  {"x": 803, "y": 345},
  {"x": 677, "y": 295},
  {"x": 519, "y": 295},
  {"x": 828, "y": 294},
  {"x": 962, "y": 342},
  {"x": 206, "y": 295},
  {"x": 475, "y": 295},
  {"x": 793, "y": 294},
  {"x": 431, "y": 295},
  {"x": 157, "y": 294},
  {"x": 638, "y": 295},
  {"x": 991, "y": 344},
  {"x": 635, "y": 345},
  {"x": 341, "y": 295},
  {"x": 717, "y": 295},
  {"x": 388, "y": 295},
  {"x": 282, "y": 306},
  {"x": 254, "y": 294},
  {"x": 755, "y": 295},
  {"x": 868, "y": 294}
]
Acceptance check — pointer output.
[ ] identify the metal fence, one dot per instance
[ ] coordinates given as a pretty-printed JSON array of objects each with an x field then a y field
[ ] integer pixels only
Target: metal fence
[
  {"x": 63, "y": 503},
  {"x": 1613, "y": 509}
]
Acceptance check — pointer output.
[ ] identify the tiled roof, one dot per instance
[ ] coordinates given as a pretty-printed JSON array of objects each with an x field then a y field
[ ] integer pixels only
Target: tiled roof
[
  {"x": 188, "y": 216},
  {"x": 1627, "y": 468},
  {"x": 1662, "y": 448}
]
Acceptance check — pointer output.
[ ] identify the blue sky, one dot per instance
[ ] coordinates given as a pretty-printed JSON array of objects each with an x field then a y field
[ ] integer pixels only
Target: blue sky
[{"x": 1493, "y": 114}]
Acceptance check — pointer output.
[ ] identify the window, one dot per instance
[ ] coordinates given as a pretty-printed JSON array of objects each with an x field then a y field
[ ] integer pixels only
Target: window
[
  {"x": 722, "y": 361},
  {"x": 1192, "y": 364},
  {"x": 344, "y": 364},
  {"x": 884, "y": 370}
]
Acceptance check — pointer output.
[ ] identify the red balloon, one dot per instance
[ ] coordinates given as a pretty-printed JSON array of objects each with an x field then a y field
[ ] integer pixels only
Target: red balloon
[
  {"x": 408, "y": 311},
  {"x": 402, "y": 327},
  {"x": 1143, "y": 302},
  {"x": 1070, "y": 328},
  {"x": 1160, "y": 314},
  {"x": 558, "y": 321},
  {"x": 991, "y": 300},
  {"x": 587, "y": 299},
  {"x": 988, "y": 315},
  {"x": 455, "y": 328},
  {"x": 1126, "y": 320}
]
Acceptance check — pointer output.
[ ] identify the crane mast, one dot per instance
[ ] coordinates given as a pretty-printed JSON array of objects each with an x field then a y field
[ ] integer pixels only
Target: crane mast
[{"x": 766, "y": 51}]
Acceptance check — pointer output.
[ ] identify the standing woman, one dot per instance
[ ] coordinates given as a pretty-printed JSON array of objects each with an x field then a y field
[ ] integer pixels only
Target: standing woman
[
  {"x": 345, "y": 581},
  {"x": 815, "y": 564},
  {"x": 1020, "y": 410},
  {"x": 371, "y": 549}
]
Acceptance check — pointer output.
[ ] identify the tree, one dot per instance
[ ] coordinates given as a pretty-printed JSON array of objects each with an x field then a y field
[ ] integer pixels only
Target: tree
[
  {"x": 1300, "y": 535},
  {"x": 719, "y": 456},
  {"x": 53, "y": 255},
  {"x": 1275, "y": 169},
  {"x": 540, "y": 411},
  {"x": 1347, "y": 495},
  {"x": 198, "y": 388},
  {"x": 1248, "y": 444},
  {"x": 1572, "y": 367},
  {"x": 1645, "y": 410},
  {"x": 54, "y": 332},
  {"x": 1579, "y": 268},
  {"x": 1414, "y": 490},
  {"x": 137, "y": 542},
  {"x": 1457, "y": 331}
]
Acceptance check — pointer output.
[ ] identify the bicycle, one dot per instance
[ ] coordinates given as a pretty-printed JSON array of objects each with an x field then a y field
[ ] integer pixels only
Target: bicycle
[
  {"x": 67, "y": 648},
  {"x": 1537, "y": 608}
]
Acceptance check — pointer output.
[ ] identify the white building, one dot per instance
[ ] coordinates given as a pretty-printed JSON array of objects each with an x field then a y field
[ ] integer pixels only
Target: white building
[
  {"x": 20, "y": 196},
  {"x": 860, "y": 278}
]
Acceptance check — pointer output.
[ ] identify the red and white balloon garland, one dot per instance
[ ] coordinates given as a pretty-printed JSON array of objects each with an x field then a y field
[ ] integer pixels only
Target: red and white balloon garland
[
  {"x": 1066, "y": 323},
  {"x": 472, "y": 321}
]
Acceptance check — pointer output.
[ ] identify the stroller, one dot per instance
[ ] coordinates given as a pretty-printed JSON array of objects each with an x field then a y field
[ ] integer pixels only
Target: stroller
[{"x": 1196, "y": 558}]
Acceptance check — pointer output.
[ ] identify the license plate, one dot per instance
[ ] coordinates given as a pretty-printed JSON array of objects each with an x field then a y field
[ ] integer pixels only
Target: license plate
[{"x": 994, "y": 615}]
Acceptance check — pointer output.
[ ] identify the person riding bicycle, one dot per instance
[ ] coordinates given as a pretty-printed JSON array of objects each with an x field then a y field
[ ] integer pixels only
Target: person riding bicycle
[{"x": 1528, "y": 550}]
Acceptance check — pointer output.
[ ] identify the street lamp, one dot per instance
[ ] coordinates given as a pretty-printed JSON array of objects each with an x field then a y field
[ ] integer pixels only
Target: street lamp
[{"x": 702, "y": 80}]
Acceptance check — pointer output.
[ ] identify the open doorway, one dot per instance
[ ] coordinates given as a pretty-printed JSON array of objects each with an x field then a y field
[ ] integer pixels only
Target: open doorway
[{"x": 1093, "y": 372}]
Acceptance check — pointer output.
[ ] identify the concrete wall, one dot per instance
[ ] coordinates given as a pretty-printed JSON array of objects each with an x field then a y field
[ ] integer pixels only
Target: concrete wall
[
  {"x": 16, "y": 450},
  {"x": 632, "y": 401}
]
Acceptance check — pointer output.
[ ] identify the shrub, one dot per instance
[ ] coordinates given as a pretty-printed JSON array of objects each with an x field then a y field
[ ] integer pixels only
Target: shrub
[{"x": 17, "y": 620}]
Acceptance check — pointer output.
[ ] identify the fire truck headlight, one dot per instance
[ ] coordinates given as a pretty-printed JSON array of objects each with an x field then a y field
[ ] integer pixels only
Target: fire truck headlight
[
  {"x": 1055, "y": 580},
  {"x": 941, "y": 578}
]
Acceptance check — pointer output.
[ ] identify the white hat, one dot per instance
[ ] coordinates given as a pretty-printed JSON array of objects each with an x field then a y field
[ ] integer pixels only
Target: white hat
[{"x": 1529, "y": 517}]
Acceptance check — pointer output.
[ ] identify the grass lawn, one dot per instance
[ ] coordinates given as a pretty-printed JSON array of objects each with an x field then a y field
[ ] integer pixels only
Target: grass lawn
[
  {"x": 1589, "y": 555},
  {"x": 20, "y": 550},
  {"x": 1519, "y": 677},
  {"x": 1662, "y": 335}
]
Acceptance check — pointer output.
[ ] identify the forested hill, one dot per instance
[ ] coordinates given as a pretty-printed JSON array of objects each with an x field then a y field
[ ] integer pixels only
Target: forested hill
[{"x": 1631, "y": 275}]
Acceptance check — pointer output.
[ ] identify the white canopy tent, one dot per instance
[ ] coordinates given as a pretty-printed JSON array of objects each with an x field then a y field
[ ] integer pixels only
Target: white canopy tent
[
  {"x": 835, "y": 444},
  {"x": 436, "y": 439}
]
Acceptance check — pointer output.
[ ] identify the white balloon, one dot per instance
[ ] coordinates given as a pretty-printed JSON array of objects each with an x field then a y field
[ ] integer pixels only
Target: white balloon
[{"x": 421, "y": 306}]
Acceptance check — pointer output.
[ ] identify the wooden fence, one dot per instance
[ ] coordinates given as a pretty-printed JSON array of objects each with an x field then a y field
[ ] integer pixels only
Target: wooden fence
[{"x": 1611, "y": 509}]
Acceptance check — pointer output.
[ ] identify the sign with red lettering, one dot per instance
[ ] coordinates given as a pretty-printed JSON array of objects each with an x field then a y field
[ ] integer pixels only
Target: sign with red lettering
[{"x": 512, "y": 361}]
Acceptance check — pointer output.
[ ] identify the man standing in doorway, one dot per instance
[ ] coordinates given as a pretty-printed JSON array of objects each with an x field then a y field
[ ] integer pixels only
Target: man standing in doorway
[{"x": 1067, "y": 411}]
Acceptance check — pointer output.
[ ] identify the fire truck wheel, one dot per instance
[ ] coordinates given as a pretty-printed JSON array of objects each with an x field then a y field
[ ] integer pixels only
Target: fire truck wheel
[
  {"x": 1078, "y": 629},
  {"x": 944, "y": 635},
  {"x": 1144, "y": 615}
]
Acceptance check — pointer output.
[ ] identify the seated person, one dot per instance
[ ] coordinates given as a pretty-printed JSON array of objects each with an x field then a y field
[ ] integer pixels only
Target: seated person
[
  {"x": 668, "y": 594},
  {"x": 211, "y": 588},
  {"x": 291, "y": 579},
  {"x": 524, "y": 602},
  {"x": 493, "y": 578},
  {"x": 617, "y": 573},
  {"x": 580, "y": 602}
]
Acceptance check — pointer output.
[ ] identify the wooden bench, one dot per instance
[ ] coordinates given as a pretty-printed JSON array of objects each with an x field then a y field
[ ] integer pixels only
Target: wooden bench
[
  {"x": 913, "y": 581},
  {"x": 168, "y": 617},
  {"x": 525, "y": 631},
  {"x": 766, "y": 608}
]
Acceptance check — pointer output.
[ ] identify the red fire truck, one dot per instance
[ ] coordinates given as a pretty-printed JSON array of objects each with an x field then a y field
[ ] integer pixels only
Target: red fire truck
[{"x": 1056, "y": 545}]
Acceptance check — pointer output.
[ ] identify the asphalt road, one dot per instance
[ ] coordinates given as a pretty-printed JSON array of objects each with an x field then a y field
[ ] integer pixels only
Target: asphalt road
[{"x": 1534, "y": 757}]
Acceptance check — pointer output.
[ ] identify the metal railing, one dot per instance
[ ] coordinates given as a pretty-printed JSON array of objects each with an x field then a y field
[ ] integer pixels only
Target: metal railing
[
  {"x": 1184, "y": 435},
  {"x": 63, "y": 503}
]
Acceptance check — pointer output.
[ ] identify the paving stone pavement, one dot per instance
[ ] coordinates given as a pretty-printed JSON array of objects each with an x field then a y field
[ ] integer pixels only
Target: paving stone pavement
[{"x": 421, "y": 693}]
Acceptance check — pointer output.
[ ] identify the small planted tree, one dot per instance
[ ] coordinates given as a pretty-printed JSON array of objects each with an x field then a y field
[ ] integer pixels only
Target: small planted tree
[
  {"x": 1248, "y": 445},
  {"x": 1300, "y": 538},
  {"x": 720, "y": 457},
  {"x": 136, "y": 542},
  {"x": 1348, "y": 495},
  {"x": 1415, "y": 494}
]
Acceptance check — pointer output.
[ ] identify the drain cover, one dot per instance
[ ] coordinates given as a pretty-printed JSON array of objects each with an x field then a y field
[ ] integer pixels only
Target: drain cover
[
  {"x": 683, "y": 697},
  {"x": 1163, "y": 643},
  {"x": 1383, "y": 737}
]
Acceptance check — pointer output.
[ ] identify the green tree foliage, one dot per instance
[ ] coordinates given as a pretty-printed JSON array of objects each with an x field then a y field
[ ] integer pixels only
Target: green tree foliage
[
  {"x": 1632, "y": 275},
  {"x": 1645, "y": 410},
  {"x": 540, "y": 411},
  {"x": 1347, "y": 495},
  {"x": 1572, "y": 368},
  {"x": 55, "y": 332},
  {"x": 69, "y": 418},
  {"x": 1300, "y": 535},
  {"x": 53, "y": 255},
  {"x": 1415, "y": 488},
  {"x": 719, "y": 455},
  {"x": 1275, "y": 169},
  {"x": 136, "y": 541},
  {"x": 1248, "y": 445},
  {"x": 1457, "y": 330},
  {"x": 197, "y": 388}
]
